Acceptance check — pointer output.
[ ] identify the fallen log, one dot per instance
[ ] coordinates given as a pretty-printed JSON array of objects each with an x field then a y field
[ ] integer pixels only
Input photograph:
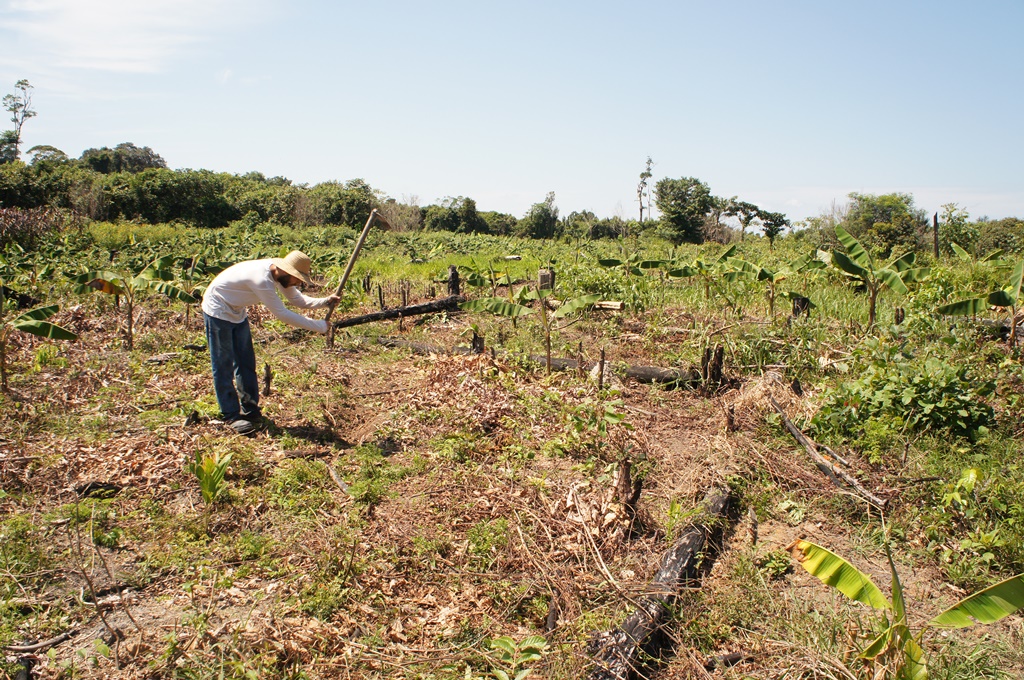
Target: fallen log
[
  {"x": 676, "y": 377},
  {"x": 839, "y": 477},
  {"x": 448, "y": 304},
  {"x": 617, "y": 653}
]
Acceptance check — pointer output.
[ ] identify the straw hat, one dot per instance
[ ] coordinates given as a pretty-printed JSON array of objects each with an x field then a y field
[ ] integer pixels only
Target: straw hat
[{"x": 297, "y": 264}]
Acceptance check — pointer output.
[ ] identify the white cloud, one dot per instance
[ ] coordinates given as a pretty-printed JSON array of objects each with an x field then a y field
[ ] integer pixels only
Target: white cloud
[{"x": 127, "y": 36}]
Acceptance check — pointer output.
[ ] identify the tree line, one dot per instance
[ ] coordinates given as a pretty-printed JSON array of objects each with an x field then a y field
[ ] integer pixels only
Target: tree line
[{"x": 128, "y": 182}]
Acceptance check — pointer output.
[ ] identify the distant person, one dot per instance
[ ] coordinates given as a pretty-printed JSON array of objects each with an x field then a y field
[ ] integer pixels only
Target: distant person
[{"x": 227, "y": 327}]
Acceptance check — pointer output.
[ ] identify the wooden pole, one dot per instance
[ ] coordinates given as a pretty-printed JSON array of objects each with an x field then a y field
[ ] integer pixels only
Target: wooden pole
[
  {"x": 374, "y": 215},
  {"x": 935, "y": 234}
]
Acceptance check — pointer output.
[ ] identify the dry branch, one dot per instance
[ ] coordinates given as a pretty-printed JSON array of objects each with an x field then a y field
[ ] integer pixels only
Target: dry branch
[
  {"x": 617, "y": 653},
  {"x": 830, "y": 469}
]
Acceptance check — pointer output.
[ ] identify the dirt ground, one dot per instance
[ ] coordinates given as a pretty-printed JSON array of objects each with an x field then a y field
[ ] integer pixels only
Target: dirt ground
[{"x": 493, "y": 513}]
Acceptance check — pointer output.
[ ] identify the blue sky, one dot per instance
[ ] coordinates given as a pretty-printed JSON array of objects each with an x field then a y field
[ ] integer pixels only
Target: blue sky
[{"x": 790, "y": 105}]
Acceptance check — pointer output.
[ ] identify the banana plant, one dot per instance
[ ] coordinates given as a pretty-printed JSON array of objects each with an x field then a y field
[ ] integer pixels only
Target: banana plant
[
  {"x": 773, "y": 278},
  {"x": 894, "y": 275},
  {"x": 514, "y": 309},
  {"x": 157, "y": 276},
  {"x": 33, "y": 322},
  {"x": 196, "y": 272},
  {"x": 1007, "y": 297},
  {"x": 633, "y": 265},
  {"x": 706, "y": 271},
  {"x": 966, "y": 257},
  {"x": 898, "y": 646}
]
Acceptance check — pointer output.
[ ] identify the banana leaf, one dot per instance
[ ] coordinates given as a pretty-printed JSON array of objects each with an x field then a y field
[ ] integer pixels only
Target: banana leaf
[
  {"x": 44, "y": 329},
  {"x": 986, "y": 606},
  {"x": 854, "y": 250},
  {"x": 960, "y": 252},
  {"x": 37, "y": 314},
  {"x": 104, "y": 281},
  {"x": 965, "y": 307},
  {"x": 892, "y": 279},
  {"x": 575, "y": 305},
  {"x": 849, "y": 266},
  {"x": 497, "y": 306},
  {"x": 833, "y": 570},
  {"x": 173, "y": 292}
]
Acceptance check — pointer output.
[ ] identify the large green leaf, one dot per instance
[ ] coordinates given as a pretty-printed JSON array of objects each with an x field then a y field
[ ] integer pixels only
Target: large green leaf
[
  {"x": 915, "y": 275},
  {"x": 726, "y": 255},
  {"x": 610, "y": 263},
  {"x": 1001, "y": 298},
  {"x": 849, "y": 266},
  {"x": 986, "y": 606},
  {"x": 892, "y": 279},
  {"x": 806, "y": 263},
  {"x": 902, "y": 264},
  {"x": 1013, "y": 290},
  {"x": 43, "y": 329},
  {"x": 497, "y": 306},
  {"x": 575, "y": 305},
  {"x": 854, "y": 249},
  {"x": 960, "y": 252},
  {"x": 651, "y": 264},
  {"x": 833, "y": 570},
  {"x": 683, "y": 272},
  {"x": 965, "y": 307},
  {"x": 38, "y": 314},
  {"x": 173, "y": 292},
  {"x": 104, "y": 281}
]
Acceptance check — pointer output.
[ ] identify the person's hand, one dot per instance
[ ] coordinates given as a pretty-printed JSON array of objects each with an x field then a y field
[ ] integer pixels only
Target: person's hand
[{"x": 333, "y": 300}]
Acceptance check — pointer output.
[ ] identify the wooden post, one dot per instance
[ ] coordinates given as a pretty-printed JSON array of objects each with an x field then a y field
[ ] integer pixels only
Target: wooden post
[
  {"x": 546, "y": 279},
  {"x": 453, "y": 281},
  {"x": 267, "y": 377},
  {"x": 935, "y": 234},
  {"x": 477, "y": 343},
  {"x": 366, "y": 283},
  {"x": 380, "y": 296},
  {"x": 600, "y": 373}
]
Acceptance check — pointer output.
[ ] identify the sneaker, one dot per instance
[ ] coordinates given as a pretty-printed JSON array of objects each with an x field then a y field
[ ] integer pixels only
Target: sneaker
[{"x": 241, "y": 426}]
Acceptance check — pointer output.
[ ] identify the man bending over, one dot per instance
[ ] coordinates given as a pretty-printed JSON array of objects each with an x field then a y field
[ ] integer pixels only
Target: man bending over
[{"x": 227, "y": 327}]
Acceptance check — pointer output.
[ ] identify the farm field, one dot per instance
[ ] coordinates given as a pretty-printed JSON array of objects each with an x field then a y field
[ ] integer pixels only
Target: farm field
[{"x": 433, "y": 514}]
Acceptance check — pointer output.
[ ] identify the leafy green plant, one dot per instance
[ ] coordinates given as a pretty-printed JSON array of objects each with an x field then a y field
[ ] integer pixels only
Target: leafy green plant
[
  {"x": 897, "y": 646},
  {"x": 1007, "y": 297},
  {"x": 33, "y": 322},
  {"x": 922, "y": 395},
  {"x": 210, "y": 471},
  {"x": 894, "y": 275},
  {"x": 707, "y": 272},
  {"x": 772, "y": 278},
  {"x": 157, "y": 276},
  {"x": 510, "y": 657},
  {"x": 513, "y": 310}
]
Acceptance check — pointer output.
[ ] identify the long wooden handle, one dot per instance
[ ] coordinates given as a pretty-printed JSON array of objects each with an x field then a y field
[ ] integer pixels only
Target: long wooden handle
[{"x": 374, "y": 215}]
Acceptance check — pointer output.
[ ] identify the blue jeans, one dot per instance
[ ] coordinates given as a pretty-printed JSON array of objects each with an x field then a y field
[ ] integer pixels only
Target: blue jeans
[{"x": 234, "y": 368}]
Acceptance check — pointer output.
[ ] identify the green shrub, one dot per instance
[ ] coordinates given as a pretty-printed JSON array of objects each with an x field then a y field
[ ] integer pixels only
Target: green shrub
[{"x": 916, "y": 395}]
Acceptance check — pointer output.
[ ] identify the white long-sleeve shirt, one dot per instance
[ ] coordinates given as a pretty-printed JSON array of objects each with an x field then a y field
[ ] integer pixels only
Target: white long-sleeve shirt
[{"x": 250, "y": 283}]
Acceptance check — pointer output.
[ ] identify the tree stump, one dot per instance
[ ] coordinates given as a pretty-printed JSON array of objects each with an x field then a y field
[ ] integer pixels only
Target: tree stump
[
  {"x": 546, "y": 279},
  {"x": 711, "y": 368},
  {"x": 801, "y": 305},
  {"x": 454, "y": 286}
]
